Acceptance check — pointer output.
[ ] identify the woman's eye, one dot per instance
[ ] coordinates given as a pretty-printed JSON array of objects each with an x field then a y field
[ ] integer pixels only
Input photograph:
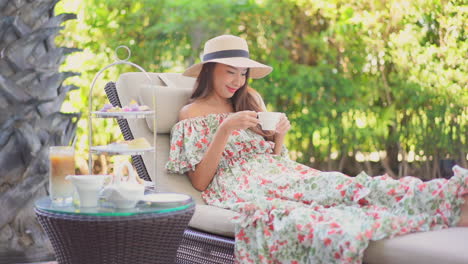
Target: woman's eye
[{"x": 243, "y": 74}]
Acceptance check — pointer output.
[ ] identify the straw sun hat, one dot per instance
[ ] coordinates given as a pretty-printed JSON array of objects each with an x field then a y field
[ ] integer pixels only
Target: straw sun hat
[{"x": 229, "y": 50}]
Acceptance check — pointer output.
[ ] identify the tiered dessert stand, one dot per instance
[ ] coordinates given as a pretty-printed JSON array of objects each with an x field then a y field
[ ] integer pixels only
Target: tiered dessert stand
[{"x": 116, "y": 149}]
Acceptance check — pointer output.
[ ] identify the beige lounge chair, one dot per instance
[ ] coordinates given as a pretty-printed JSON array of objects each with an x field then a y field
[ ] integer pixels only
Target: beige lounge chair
[{"x": 210, "y": 236}]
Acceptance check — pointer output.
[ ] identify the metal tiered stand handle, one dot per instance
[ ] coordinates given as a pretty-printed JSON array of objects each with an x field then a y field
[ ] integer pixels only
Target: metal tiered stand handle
[{"x": 136, "y": 115}]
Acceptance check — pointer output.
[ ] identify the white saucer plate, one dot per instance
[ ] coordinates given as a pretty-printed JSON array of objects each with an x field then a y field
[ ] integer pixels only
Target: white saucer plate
[{"x": 166, "y": 199}]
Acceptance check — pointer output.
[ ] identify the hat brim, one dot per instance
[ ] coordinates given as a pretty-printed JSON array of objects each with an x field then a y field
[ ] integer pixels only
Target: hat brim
[{"x": 256, "y": 69}]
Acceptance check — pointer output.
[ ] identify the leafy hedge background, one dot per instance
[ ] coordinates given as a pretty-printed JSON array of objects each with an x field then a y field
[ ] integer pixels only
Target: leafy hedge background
[{"x": 369, "y": 85}]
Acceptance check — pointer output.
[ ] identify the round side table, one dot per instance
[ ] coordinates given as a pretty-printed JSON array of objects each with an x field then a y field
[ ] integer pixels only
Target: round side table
[{"x": 148, "y": 233}]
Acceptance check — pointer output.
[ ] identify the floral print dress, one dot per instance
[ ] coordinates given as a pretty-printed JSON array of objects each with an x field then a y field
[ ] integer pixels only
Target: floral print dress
[{"x": 290, "y": 213}]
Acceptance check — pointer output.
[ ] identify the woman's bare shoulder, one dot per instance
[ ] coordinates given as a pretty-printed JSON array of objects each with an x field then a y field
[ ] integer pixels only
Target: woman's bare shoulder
[{"x": 191, "y": 110}]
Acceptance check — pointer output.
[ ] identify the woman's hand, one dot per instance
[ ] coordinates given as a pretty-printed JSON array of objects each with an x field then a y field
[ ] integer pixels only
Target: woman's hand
[
  {"x": 240, "y": 120},
  {"x": 283, "y": 126}
]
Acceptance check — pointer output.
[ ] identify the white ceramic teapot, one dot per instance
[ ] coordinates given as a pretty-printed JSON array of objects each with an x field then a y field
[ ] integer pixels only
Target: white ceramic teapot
[{"x": 124, "y": 194}]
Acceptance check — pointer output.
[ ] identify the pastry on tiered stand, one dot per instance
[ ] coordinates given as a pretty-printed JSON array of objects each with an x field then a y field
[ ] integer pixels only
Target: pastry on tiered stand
[
  {"x": 138, "y": 143},
  {"x": 133, "y": 106}
]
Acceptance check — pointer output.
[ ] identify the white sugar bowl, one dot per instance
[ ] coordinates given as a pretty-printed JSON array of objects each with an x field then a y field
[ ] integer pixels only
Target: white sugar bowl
[{"x": 124, "y": 194}]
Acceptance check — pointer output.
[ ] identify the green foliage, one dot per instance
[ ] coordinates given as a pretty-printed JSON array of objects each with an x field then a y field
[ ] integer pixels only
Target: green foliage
[{"x": 353, "y": 76}]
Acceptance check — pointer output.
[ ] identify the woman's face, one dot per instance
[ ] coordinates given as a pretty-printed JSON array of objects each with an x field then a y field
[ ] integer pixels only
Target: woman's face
[{"x": 227, "y": 79}]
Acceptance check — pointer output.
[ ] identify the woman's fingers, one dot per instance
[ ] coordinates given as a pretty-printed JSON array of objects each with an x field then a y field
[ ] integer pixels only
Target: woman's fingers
[
  {"x": 283, "y": 125},
  {"x": 254, "y": 118},
  {"x": 244, "y": 120}
]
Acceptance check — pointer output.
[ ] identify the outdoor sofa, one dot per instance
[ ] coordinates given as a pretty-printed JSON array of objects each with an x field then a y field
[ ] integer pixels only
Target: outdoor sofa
[{"x": 210, "y": 236}]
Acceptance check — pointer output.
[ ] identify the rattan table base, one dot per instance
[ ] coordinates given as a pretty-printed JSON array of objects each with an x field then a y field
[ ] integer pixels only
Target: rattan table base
[{"x": 145, "y": 238}]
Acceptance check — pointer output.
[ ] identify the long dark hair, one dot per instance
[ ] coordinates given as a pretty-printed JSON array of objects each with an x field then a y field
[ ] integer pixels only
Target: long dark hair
[{"x": 243, "y": 99}]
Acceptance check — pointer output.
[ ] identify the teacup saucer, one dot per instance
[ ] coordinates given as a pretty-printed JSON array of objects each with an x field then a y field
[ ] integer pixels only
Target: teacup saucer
[{"x": 166, "y": 198}]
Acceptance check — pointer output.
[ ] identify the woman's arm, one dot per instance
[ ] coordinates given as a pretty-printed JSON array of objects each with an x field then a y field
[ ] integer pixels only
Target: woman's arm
[
  {"x": 204, "y": 171},
  {"x": 279, "y": 141},
  {"x": 282, "y": 128}
]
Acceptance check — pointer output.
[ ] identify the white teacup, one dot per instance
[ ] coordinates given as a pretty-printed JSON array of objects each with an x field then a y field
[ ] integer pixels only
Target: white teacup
[
  {"x": 88, "y": 188},
  {"x": 269, "y": 120}
]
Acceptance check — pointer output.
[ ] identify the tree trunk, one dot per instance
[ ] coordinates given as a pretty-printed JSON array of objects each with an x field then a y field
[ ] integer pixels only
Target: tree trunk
[
  {"x": 390, "y": 163},
  {"x": 368, "y": 165},
  {"x": 342, "y": 162},
  {"x": 31, "y": 95}
]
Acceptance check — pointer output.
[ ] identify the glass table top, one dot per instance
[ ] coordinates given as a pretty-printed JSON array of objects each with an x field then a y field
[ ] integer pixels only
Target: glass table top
[{"x": 108, "y": 209}]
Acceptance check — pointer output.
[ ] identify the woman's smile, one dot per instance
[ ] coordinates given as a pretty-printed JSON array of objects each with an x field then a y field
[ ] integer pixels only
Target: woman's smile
[{"x": 231, "y": 90}]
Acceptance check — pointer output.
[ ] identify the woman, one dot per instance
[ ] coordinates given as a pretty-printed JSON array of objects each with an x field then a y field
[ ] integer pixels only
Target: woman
[{"x": 290, "y": 213}]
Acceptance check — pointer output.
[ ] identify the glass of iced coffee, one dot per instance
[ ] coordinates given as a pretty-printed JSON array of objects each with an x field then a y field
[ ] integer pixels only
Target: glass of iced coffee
[{"x": 62, "y": 163}]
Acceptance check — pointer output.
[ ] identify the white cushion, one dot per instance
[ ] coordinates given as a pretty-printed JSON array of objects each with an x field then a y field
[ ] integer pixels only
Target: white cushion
[
  {"x": 169, "y": 100},
  {"x": 177, "y": 80},
  {"x": 134, "y": 85},
  {"x": 434, "y": 247},
  {"x": 213, "y": 220}
]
